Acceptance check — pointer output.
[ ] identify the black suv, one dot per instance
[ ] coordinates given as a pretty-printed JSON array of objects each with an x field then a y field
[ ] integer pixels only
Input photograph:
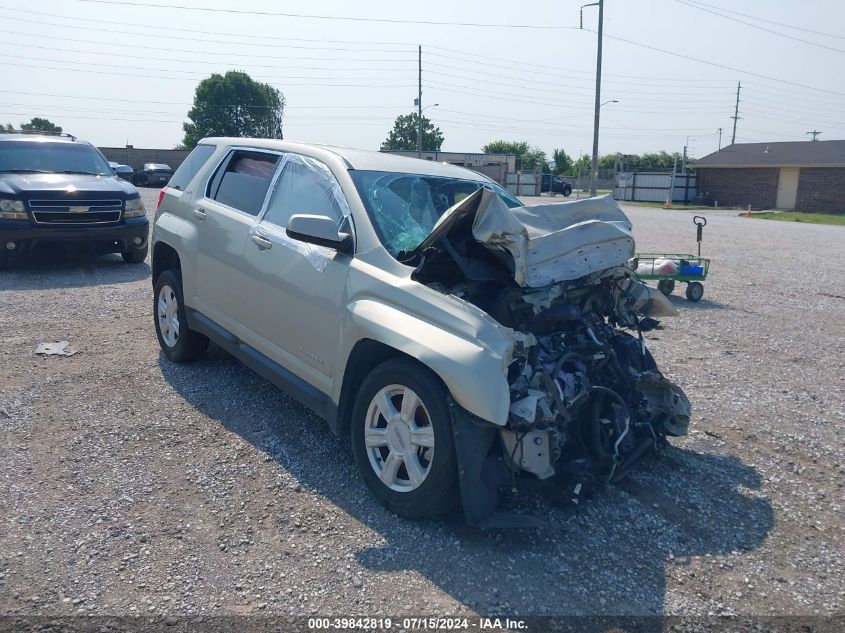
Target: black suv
[
  {"x": 55, "y": 188},
  {"x": 152, "y": 174},
  {"x": 554, "y": 184}
]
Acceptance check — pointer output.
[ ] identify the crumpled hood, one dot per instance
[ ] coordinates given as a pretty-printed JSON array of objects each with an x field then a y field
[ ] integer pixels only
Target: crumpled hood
[
  {"x": 556, "y": 242},
  {"x": 547, "y": 243}
]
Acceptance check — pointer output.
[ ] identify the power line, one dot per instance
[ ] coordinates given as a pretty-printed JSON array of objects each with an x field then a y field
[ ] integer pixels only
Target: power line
[
  {"x": 535, "y": 87},
  {"x": 758, "y": 18},
  {"x": 146, "y": 26},
  {"x": 214, "y": 63},
  {"x": 543, "y": 27},
  {"x": 717, "y": 65},
  {"x": 590, "y": 74},
  {"x": 205, "y": 41},
  {"x": 183, "y": 50},
  {"x": 134, "y": 74},
  {"x": 761, "y": 28}
]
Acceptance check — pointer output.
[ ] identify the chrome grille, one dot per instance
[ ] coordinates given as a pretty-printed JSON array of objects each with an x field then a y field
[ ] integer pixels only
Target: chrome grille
[{"x": 76, "y": 212}]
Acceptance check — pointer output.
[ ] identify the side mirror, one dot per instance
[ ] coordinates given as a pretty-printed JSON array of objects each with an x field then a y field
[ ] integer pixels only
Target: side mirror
[{"x": 320, "y": 230}]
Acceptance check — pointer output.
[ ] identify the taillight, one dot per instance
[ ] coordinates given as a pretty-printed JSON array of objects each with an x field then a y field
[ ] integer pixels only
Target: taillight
[{"x": 161, "y": 197}]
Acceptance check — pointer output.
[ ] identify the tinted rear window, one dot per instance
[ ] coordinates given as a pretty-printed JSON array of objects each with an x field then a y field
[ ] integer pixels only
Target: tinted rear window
[
  {"x": 191, "y": 166},
  {"x": 244, "y": 180}
]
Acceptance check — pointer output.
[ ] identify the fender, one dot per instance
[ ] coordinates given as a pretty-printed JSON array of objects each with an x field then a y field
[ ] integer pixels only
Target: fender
[
  {"x": 180, "y": 235},
  {"x": 475, "y": 372}
]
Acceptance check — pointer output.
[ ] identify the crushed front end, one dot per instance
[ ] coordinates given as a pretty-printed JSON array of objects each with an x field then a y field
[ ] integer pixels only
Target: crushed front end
[{"x": 587, "y": 399}]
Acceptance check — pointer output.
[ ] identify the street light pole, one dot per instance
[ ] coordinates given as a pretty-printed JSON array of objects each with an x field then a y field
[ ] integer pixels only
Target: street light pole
[
  {"x": 595, "y": 161},
  {"x": 419, "y": 101}
]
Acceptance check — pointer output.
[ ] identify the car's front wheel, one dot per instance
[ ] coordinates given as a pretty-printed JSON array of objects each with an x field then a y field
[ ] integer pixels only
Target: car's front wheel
[
  {"x": 402, "y": 440},
  {"x": 178, "y": 342}
]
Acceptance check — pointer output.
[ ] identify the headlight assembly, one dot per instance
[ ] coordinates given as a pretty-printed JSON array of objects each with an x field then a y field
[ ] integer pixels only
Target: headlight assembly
[
  {"x": 134, "y": 208},
  {"x": 12, "y": 209}
]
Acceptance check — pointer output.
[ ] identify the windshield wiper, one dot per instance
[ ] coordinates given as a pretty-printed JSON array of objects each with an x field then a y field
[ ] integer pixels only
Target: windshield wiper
[
  {"x": 76, "y": 171},
  {"x": 24, "y": 171}
]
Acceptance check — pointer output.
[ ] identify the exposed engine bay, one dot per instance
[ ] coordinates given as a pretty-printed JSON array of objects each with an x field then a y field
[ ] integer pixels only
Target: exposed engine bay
[{"x": 587, "y": 399}]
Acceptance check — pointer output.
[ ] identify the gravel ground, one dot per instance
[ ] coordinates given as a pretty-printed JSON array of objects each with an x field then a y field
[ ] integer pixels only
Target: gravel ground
[{"x": 134, "y": 486}]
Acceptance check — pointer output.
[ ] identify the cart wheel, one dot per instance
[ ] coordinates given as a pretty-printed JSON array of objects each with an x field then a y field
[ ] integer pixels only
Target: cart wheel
[
  {"x": 666, "y": 286},
  {"x": 695, "y": 291}
]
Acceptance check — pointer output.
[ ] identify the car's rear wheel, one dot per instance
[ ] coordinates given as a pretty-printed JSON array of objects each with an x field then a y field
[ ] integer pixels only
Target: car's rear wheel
[
  {"x": 402, "y": 440},
  {"x": 178, "y": 342},
  {"x": 136, "y": 255}
]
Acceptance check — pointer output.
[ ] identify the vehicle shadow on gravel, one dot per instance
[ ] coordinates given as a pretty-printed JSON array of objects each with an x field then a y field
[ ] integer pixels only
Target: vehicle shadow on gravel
[
  {"x": 702, "y": 304},
  {"x": 609, "y": 555},
  {"x": 69, "y": 269}
]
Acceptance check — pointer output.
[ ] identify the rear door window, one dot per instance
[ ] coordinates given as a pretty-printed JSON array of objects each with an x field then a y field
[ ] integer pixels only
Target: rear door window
[
  {"x": 191, "y": 166},
  {"x": 242, "y": 181}
]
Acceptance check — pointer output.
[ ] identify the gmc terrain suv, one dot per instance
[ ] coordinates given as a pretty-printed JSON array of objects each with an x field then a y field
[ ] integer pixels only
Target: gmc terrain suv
[
  {"x": 461, "y": 339},
  {"x": 55, "y": 188}
]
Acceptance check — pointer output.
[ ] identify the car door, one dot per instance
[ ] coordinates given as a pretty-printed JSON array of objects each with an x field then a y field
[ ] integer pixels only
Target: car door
[
  {"x": 296, "y": 291},
  {"x": 234, "y": 197}
]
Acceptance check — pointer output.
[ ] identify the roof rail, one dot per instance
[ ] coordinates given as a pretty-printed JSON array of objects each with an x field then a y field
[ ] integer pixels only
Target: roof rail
[{"x": 50, "y": 132}]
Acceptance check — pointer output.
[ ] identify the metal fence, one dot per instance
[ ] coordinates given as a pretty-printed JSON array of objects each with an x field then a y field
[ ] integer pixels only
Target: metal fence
[
  {"x": 526, "y": 184},
  {"x": 649, "y": 186}
]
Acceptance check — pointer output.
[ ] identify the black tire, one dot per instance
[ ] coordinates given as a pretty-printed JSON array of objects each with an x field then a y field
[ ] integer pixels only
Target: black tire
[
  {"x": 567, "y": 191},
  {"x": 136, "y": 255},
  {"x": 189, "y": 345},
  {"x": 695, "y": 291},
  {"x": 438, "y": 493},
  {"x": 666, "y": 286}
]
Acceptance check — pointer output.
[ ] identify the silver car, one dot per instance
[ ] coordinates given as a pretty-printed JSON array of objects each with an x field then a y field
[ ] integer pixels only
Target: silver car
[{"x": 461, "y": 339}]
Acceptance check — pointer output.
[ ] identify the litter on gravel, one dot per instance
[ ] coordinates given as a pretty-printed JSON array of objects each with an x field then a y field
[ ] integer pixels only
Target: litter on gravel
[{"x": 55, "y": 349}]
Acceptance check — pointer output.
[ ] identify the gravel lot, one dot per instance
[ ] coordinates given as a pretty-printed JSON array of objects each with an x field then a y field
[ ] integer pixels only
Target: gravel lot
[{"x": 129, "y": 485}]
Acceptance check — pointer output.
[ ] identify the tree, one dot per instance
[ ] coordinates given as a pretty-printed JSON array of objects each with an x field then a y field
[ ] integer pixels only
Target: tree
[
  {"x": 563, "y": 162},
  {"x": 527, "y": 157},
  {"x": 404, "y": 134},
  {"x": 6, "y": 128},
  {"x": 234, "y": 105},
  {"x": 39, "y": 124},
  {"x": 506, "y": 147}
]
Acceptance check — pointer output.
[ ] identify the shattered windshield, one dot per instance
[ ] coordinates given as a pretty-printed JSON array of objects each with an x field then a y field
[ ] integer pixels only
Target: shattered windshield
[{"x": 405, "y": 207}]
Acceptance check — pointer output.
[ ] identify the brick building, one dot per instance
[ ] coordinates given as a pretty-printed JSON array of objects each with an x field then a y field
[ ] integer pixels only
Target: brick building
[{"x": 801, "y": 175}]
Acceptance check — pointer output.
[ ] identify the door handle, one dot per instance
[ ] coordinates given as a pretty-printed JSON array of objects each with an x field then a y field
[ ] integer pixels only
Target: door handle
[
  {"x": 263, "y": 242},
  {"x": 199, "y": 214}
]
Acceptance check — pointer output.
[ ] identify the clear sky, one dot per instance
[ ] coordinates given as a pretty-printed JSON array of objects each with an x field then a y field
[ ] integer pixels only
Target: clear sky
[{"x": 114, "y": 73}]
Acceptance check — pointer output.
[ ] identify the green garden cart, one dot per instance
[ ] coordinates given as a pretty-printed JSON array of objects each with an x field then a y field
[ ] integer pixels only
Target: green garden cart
[{"x": 669, "y": 268}]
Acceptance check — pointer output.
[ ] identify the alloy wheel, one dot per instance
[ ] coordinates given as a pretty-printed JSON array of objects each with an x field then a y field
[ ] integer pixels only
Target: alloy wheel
[
  {"x": 168, "y": 315},
  {"x": 399, "y": 438}
]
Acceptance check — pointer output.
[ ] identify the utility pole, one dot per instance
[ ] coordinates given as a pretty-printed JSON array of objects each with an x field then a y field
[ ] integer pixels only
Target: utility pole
[
  {"x": 419, "y": 102},
  {"x": 815, "y": 133},
  {"x": 720, "y": 139},
  {"x": 736, "y": 116},
  {"x": 594, "y": 165}
]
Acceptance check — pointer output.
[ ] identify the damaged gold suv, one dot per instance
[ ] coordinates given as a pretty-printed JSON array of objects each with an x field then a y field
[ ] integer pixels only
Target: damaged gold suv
[{"x": 461, "y": 339}]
